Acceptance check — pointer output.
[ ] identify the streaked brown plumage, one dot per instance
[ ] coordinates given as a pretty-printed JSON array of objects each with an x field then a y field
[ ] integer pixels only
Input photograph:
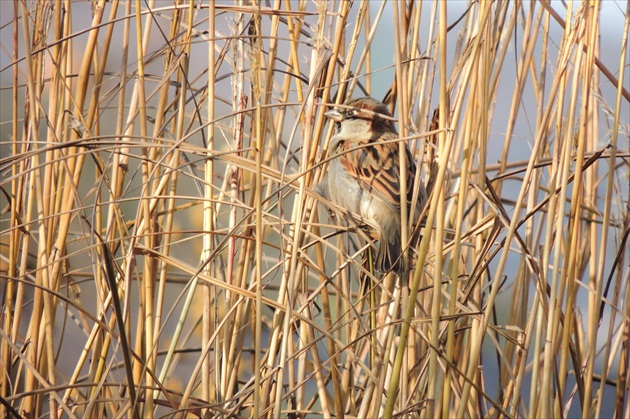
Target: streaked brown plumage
[{"x": 365, "y": 178}]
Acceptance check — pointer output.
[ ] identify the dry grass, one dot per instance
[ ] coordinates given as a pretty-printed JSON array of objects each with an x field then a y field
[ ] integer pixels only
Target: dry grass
[{"x": 164, "y": 254}]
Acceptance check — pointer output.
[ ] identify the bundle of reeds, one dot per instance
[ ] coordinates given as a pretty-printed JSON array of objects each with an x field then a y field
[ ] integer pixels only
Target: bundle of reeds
[{"x": 164, "y": 252}]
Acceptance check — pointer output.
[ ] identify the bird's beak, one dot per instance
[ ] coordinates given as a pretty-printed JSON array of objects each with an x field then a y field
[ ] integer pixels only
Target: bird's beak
[{"x": 334, "y": 114}]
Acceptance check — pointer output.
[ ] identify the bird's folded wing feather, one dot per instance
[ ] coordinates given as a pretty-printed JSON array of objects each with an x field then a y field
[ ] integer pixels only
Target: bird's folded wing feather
[{"x": 375, "y": 167}]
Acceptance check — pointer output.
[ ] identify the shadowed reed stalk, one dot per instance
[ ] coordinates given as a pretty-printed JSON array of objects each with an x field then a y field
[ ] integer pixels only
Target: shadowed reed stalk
[{"x": 163, "y": 252}]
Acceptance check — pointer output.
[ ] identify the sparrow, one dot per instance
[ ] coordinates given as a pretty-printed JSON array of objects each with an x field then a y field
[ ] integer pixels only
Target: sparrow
[{"x": 363, "y": 175}]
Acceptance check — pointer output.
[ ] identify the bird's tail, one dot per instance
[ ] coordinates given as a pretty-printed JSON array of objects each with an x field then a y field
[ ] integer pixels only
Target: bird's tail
[{"x": 388, "y": 257}]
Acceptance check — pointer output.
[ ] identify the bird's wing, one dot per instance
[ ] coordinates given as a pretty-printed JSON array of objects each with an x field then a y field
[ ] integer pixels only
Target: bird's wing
[{"x": 375, "y": 166}]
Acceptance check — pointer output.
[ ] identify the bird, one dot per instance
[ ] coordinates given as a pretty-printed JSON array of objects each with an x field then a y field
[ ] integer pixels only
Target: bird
[{"x": 363, "y": 175}]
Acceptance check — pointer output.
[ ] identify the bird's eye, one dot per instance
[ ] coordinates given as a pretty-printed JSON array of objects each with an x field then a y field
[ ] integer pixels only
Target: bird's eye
[{"x": 349, "y": 114}]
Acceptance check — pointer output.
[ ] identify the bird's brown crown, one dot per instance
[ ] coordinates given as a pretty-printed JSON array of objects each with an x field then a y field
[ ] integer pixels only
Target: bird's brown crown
[{"x": 370, "y": 109}]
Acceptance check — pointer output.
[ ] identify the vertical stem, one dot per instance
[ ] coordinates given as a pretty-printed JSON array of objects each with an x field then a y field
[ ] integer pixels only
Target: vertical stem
[{"x": 258, "y": 97}]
